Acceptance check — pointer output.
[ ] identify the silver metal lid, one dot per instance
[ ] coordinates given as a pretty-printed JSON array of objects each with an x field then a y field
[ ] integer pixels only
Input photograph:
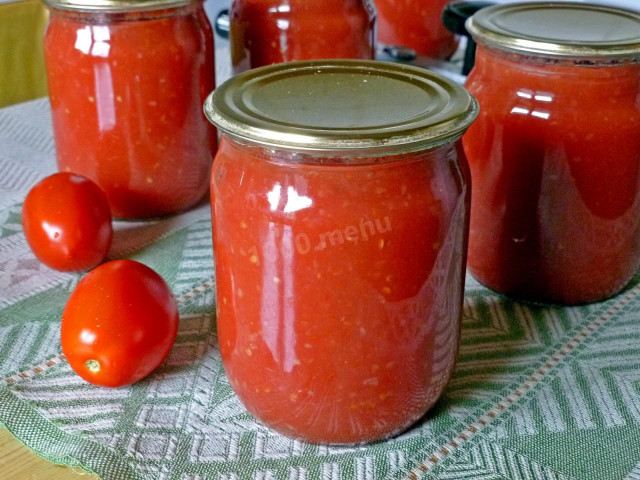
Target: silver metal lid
[
  {"x": 559, "y": 29},
  {"x": 341, "y": 105}
]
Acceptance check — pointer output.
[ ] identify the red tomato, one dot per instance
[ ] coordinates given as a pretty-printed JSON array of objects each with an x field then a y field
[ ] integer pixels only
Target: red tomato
[
  {"x": 119, "y": 324},
  {"x": 67, "y": 222}
]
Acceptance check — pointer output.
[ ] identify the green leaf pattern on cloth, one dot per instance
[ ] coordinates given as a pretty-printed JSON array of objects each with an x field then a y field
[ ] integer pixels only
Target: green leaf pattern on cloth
[{"x": 538, "y": 392}]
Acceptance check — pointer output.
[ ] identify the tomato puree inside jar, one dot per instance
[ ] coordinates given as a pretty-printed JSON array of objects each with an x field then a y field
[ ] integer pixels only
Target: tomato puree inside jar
[
  {"x": 416, "y": 24},
  {"x": 555, "y": 153},
  {"x": 126, "y": 88},
  {"x": 264, "y": 32},
  {"x": 340, "y": 224}
]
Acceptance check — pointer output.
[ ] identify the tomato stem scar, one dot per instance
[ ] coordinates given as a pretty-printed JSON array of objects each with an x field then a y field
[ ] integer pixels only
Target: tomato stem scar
[{"x": 92, "y": 365}]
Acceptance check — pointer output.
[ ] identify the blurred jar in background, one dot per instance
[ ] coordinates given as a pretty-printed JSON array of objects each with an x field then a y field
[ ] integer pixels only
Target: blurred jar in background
[
  {"x": 555, "y": 152},
  {"x": 264, "y": 32},
  {"x": 127, "y": 80},
  {"x": 416, "y": 24}
]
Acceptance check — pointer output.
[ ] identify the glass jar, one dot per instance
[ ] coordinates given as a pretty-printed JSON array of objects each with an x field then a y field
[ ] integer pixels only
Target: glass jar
[
  {"x": 126, "y": 82},
  {"x": 264, "y": 32},
  {"x": 340, "y": 227},
  {"x": 416, "y": 24},
  {"x": 555, "y": 153}
]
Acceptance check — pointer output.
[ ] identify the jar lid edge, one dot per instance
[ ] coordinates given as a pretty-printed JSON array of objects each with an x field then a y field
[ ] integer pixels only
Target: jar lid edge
[
  {"x": 115, "y": 6},
  {"x": 306, "y": 116},
  {"x": 543, "y": 28}
]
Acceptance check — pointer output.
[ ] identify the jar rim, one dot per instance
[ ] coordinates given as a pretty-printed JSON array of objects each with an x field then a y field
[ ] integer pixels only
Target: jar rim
[
  {"x": 559, "y": 29},
  {"x": 342, "y": 105},
  {"x": 115, "y": 6}
]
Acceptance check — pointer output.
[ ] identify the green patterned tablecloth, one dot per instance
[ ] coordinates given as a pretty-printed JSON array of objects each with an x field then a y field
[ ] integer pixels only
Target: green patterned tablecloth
[{"x": 538, "y": 393}]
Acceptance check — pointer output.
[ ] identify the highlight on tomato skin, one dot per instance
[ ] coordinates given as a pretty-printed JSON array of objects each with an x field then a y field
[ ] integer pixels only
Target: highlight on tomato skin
[
  {"x": 66, "y": 220},
  {"x": 119, "y": 324}
]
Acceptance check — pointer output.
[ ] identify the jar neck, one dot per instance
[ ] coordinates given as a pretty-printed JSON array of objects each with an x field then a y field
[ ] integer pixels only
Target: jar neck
[
  {"x": 334, "y": 158},
  {"x": 105, "y": 16},
  {"x": 492, "y": 61},
  {"x": 287, "y": 6}
]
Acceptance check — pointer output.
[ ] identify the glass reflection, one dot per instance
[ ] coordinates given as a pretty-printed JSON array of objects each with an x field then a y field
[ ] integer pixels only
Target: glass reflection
[{"x": 533, "y": 96}]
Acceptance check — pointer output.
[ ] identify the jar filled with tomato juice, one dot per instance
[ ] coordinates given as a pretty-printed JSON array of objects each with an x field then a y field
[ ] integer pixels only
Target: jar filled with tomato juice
[
  {"x": 340, "y": 199},
  {"x": 416, "y": 24},
  {"x": 126, "y": 81},
  {"x": 555, "y": 153},
  {"x": 264, "y": 32}
]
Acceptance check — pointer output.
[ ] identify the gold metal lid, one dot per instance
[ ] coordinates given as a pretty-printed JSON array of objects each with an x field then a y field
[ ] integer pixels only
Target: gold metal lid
[
  {"x": 115, "y": 6},
  {"x": 559, "y": 29},
  {"x": 346, "y": 105}
]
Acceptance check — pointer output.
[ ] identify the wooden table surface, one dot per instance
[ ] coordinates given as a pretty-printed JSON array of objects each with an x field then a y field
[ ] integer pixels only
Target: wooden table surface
[{"x": 18, "y": 463}]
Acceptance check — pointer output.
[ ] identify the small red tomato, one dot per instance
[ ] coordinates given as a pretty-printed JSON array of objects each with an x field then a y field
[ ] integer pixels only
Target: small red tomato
[
  {"x": 119, "y": 324},
  {"x": 67, "y": 222}
]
